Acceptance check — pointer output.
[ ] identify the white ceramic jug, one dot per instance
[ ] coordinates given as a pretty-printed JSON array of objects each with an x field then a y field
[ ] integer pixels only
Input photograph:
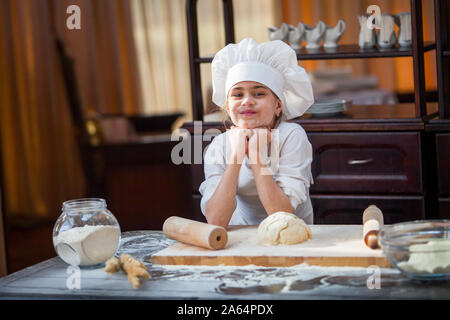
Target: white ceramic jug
[
  {"x": 367, "y": 37},
  {"x": 333, "y": 34},
  {"x": 386, "y": 35},
  {"x": 296, "y": 36},
  {"x": 314, "y": 35},
  {"x": 403, "y": 21},
  {"x": 281, "y": 33}
]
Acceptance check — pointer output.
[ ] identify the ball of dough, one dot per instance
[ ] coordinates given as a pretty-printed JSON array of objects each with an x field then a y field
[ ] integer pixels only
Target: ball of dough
[{"x": 283, "y": 228}]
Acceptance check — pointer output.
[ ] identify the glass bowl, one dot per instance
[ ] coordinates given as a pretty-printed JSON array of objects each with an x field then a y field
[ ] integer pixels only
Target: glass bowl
[{"x": 419, "y": 249}]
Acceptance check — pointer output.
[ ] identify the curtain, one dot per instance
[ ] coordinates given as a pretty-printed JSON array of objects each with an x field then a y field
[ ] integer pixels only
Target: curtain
[
  {"x": 161, "y": 45},
  {"x": 104, "y": 53},
  {"x": 41, "y": 162},
  {"x": 40, "y": 166},
  {"x": 2, "y": 240}
]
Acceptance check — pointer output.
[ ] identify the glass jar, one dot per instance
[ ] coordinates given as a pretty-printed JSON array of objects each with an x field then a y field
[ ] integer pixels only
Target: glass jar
[{"x": 86, "y": 234}]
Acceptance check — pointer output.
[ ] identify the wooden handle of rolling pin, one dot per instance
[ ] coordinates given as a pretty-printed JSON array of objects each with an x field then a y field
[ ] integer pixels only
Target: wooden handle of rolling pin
[
  {"x": 194, "y": 232},
  {"x": 372, "y": 222}
]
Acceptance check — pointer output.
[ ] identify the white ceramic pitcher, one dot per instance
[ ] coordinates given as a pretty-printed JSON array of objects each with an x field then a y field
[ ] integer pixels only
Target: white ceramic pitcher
[
  {"x": 403, "y": 21},
  {"x": 296, "y": 35},
  {"x": 367, "y": 37},
  {"x": 333, "y": 34},
  {"x": 281, "y": 33},
  {"x": 386, "y": 35},
  {"x": 314, "y": 35}
]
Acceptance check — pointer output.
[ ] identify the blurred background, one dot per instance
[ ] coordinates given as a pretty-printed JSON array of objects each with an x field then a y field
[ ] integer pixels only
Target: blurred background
[{"x": 71, "y": 99}]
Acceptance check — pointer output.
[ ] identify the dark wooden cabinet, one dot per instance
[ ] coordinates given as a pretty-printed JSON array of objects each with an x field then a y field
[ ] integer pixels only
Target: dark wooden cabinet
[
  {"x": 361, "y": 162},
  {"x": 444, "y": 208},
  {"x": 443, "y": 174},
  {"x": 443, "y": 163},
  {"x": 354, "y": 170},
  {"x": 347, "y": 209}
]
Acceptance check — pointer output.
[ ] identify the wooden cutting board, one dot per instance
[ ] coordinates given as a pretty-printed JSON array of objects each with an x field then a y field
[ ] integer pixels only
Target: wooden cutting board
[{"x": 331, "y": 245}]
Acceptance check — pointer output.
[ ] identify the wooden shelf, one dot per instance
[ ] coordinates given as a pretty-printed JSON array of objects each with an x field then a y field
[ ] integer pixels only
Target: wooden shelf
[
  {"x": 335, "y": 125},
  {"x": 355, "y": 52},
  {"x": 438, "y": 125},
  {"x": 397, "y": 112},
  {"x": 386, "y": 117},
  {"x": 343, "y": 51},
  {"x": 351, "y": 51}
]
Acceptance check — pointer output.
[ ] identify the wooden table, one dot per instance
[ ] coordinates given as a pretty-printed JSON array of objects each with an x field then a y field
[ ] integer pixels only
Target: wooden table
[{"x": 52, "y": 279}]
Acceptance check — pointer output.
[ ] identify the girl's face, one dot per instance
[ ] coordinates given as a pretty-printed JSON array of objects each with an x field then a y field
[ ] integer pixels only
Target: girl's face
[{"x": 252, "y": 105}]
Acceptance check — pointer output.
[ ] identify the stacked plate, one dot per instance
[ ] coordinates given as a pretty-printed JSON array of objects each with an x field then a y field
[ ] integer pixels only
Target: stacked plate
[{"x": 327, "y": 107}]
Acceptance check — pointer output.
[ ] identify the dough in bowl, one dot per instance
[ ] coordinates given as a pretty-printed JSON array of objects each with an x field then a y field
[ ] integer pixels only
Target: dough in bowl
[{"x": 283, "y": 228}]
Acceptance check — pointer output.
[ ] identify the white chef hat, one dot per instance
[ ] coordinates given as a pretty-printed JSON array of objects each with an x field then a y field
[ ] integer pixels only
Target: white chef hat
[{"x": 273, "y": 64}]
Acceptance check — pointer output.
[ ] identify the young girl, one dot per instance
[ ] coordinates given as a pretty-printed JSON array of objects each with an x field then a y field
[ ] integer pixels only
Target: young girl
[{"x": 259, "y": 86}]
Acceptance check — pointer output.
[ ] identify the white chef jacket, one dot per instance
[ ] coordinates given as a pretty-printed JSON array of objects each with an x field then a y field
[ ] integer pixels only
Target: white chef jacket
[{"x": 292, "y": 174}]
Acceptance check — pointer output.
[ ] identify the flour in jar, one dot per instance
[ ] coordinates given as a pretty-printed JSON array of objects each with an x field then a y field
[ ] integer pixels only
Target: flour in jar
[{"x": 87, "y": 245}]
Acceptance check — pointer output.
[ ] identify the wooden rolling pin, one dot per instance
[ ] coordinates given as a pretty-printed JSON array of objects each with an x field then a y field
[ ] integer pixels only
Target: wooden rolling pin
[
  {"x": 196, "y": 233},
  {"x": 372, "y": 222}
]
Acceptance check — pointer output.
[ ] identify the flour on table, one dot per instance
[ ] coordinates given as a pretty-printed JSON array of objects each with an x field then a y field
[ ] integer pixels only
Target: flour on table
[
  {"x": 432, "y": 257},
  {"x": 87, "y": 245},
  {"x": 251, "y": 275}
]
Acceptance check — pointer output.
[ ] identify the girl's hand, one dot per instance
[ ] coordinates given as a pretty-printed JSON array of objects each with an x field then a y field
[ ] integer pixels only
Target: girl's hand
[
  {"x": 258, "y": 145},
  {"x": 237, "y": 146}
]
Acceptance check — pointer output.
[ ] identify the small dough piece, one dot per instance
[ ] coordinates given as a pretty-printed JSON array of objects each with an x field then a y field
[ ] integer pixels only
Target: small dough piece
[
  {"x": 283, "y": 228},
  {"x": 134, "y": 269},
  {"x": 112, "y": 265}
]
